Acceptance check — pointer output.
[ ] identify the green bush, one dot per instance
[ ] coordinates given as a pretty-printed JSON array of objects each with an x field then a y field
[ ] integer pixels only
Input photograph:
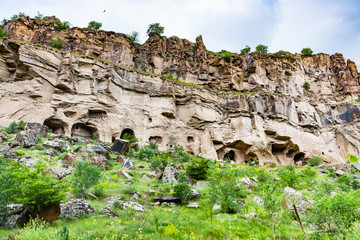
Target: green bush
[
  {"x": 16, "y": 16},
  {"x": 253, "y": 161},
  {"x": 20, "y": 153},
  {"x": 247, "y": 49},
  {"x": 143, "y": 68},
  {"x": 31, "y": 187},
  {"x": 331, "y": 173},
  {"x": 12, "y": 128},
  {"x": 95, "y": 25},
  {"x": 288, "y": 176},
  {"x": 182, "y": 156},
  {"x": 129, "y": 137},
  {"x": 84, "y": 177},
  {"x": 306, "y": 85},
  {"x": 183, "y": 192},
  {"x": 63, "y": 233},
  {"x": 306, "y": 52},
  {"x": 198, "y": 168},
  {"x": 134, "y": 37},
  {"x": 160, "y": 161},
  {"x": 225, "y": 54},
  {"x": 315, "y": 161},
  {"x": 261, "y": 48},
  {"x": 61, "y": 26},
  {"x": 99, "y": 191},
  {"x": 155, "y": 28},
  {"x": 3, "y": 33},
  {"x": 223, "y": 189},
  {"x": 309, "y": 172},
  {"x": 182, "y": 178},
  {"x": 334, "y": 215},
  {"x": 57, "y": 43}
]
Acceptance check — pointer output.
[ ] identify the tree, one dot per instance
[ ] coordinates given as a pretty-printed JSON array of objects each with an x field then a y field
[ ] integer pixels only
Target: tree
[
  {"x": 3, "y": 33},
  {"x": 85, "y": 176},
  {"x": 261, "y": 48},
  {"x": 134, "y": 36},
  {"x": 155, "y": 28},
  {"x": 95, "y": 25},
  {"x": 60, "y": 26},
  {"x": 306, "y": 52},
  {"x": 247, "y": 49}
]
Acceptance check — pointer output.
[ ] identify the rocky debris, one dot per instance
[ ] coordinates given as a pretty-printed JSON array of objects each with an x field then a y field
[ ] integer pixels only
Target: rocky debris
[
  {"x": 27, "y": 138},
  {"x": 14, "y": 144},
  {"x": 3, "y": 137},
  {"x": 125, "y": 175},
  {"x": 167, "y": 198},
  {"x": 157, "y": 173},
  {"x": 291, "y": 196},
  {"x": 109, "y": 212},
  {"x": 128, "y": 163},
  {"x": 10, "y": 154},
  {"x": 134, "y": 205},
  {"x": 149, "y": 193},
  {"x": 94, "y": 148},
  {"x": 61, "y": 172},
  {"x": 51, "y": 152},
  {"x": 11, "y": 214},
  {"x": 71, "y": 158},
  {"x": 38, "y": 128},
  {"x": 248, "y": 182},
  {"x": 170, "y": 174},
  {"x": 98, "y": 160},
  {"x": 145, "y": 179},
  {"x": 112, "y": 199},
  {"x": 193, "y": 205},
  {"x": 356, "y": 166},
  {"x": 75, "y": 208},
  {"x": 28, "y": 161},
  {"x": 121, "y": 146},
  {"x": 195, "y": 194},
  {"x": 258, "y": 201}
]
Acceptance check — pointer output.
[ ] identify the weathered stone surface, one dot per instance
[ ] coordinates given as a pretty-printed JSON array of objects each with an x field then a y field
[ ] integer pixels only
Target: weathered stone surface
[
  {"x": 195, "y": 194},
  {"x": 28, "y": 161},
  {"x": 121, "y": 146},
  {"x": 11, "y": 214},
  {"x": 3, "y": 137},
  {"x": 170, "y": 174},
  {"x": 157, "y": 173},
  {"x": 134, "y": 205},
  {"x": 75, "y": 208},
  {"x": 248, "y": 182},
  {"x": 27, "y": 138},
  {"x": 168, "y": 198},
  {"x": 193, "y": 205},
  {"x": 125, "y": 175},
  {"x": 80, "y": 95},
  {"x": 14, "y": 144},
  {"x": 128, "y": 163},
  {"x": 291, "y": 196},
  {"x": 38, "y": 128}
]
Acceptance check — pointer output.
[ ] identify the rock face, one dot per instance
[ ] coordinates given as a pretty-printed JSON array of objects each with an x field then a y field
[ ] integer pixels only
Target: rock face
[
  {"x": 27, "y": 138},
  {"x": 273, "y": 118},
  {"x": 75, "y": 208}
]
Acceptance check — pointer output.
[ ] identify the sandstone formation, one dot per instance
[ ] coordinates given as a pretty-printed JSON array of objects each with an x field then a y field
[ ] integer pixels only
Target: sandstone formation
[{"x": 246, "y": 106}]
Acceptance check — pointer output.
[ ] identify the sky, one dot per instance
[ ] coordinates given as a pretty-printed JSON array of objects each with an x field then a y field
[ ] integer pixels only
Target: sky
[{"x": 327, "y": 26}]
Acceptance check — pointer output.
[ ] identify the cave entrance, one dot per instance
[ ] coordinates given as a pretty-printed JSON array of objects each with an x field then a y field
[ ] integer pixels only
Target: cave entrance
[
  {"x": 57, "y": 126},
  {"x": 82, "y": 130},
  {"x": 299, "y": 157},
  {"x": 127, "y": 133},
  {"x": 230, "y": 155}
]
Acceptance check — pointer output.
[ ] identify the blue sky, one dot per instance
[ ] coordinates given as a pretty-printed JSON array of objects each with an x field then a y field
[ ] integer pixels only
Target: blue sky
[{"x": 327, "y": 26}]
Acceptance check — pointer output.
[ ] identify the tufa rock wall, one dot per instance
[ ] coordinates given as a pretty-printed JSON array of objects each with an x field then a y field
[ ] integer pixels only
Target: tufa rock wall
[{"x": 93, "y": 85}]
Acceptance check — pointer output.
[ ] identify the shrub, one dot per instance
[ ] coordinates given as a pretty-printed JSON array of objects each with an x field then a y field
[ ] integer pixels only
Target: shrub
[
  {"x": 134, "y": 37},
  {"x": 3, "y": 21},
  {"x": 99, "y": 191},
  {"x": 21, "y": 125},
  {"x": 247, "y": 49},
  {"x": 20, "y": 153},
  {"x": 183, "y": 192},
  {"x": 3, "y": 33},
  {"x": 61, "y": 26},
  {"x": 223, "y": 188},
  {"x": 39, "y": 16},
  {"x": 129, "y": 138},
  {"x": 331, "y": 173},
  {"x": 95, "y": 136},
  {"x": 261, "y": 48},
  {"x": 143, "y": 68},
  {"x": 31, "y": 187},
  {"x": 85, "y": 176},
  {"x": 289, "y": 176},
  {"x": 182, "y": 178},
  {"x": 253, "y": 161},
  {"x": 306, "y": 85},
  {"x": 182, "y": 156},
  {"x": 63, "y": 233},
  {"x": 352, "y": 158},
  {"x": 315, "y": 161},
  {"x": 334, "y": 215},
  {"x": 160, "y": 161},
  {"x": 16, "y": 16},
  {"x": 12, "y": 128},
  {"x": 225, "y": 54},
  {"x": 95, "y": 25},
  {"x": 57, "y": 43},
  {"x": 308, "y": 172},
  {"x": 155, "y": 28},
  {"x": 198, "y": 168},
  {"x": 306, "y": 52}
]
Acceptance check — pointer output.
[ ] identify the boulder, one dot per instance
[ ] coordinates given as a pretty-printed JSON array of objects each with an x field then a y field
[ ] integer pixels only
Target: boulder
[
  {"x": 134, "y": 205},
  {"x": 291, "y": 196},
  {"x": 38, "y": 128},
  {"x": 121, "y": 146},
  {"x": 75, "y": 208},
  {"x": 28, "y": 161},
  {"x": 71, "y": 158},
  {"x": 195, "y": 194},
  {"x": 157, "y": 173},
  {"x": 128, "y": 163},
  {"x": 27, "y": 138},
  {"x": 149, "y": 193},
  {"x": 11, "y": 214},
  {"x": 193, "y": 205},
  {"x": 14, "y": 144},
  {"x": 248, "y": 182},
  {"x": 112, "y": 199},
  {"x": 109, "y": 212},
  {"x": 168, "y": 198},
  {"x": 94, "y": 148},
  {"x": 339, "y": 172},
  {"x": 125, "y": 175},
  {"x": 61, "y": 172},
  {"x": 3, "y": 137},
  {"x": 356, "y": 166},
  {"x": 52, "y": 144},
  {"x": 170, "y": 174}
]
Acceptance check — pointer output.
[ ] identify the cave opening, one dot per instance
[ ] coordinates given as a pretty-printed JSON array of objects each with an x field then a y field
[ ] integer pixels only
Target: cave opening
[
  {"x": 230, "y": 155},
  {"x": 57, "y": 126}
]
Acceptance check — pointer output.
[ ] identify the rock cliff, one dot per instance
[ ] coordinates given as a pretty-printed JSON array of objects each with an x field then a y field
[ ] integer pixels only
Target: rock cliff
[{"x": 238, "y": 106}]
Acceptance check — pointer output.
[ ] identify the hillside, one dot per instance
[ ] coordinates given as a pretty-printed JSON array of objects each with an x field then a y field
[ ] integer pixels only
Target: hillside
[{"x": 104, "y": 138}]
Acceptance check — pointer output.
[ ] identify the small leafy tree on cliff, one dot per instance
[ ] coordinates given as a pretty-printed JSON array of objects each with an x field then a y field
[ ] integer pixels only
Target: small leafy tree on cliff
[
  {"x": 95, "y": 25},
  {"x": 3, "y": 33},
  {"x": 134, "y": 36},
  {"x": 261, "y": 48},
  {"x": 155, "y": 28},
  {"x": 247, "y": 49},
  {"x": 306, "y": 52},
  {"x": 16, "y": 16},
  {"x": 60, "y": 26}
]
